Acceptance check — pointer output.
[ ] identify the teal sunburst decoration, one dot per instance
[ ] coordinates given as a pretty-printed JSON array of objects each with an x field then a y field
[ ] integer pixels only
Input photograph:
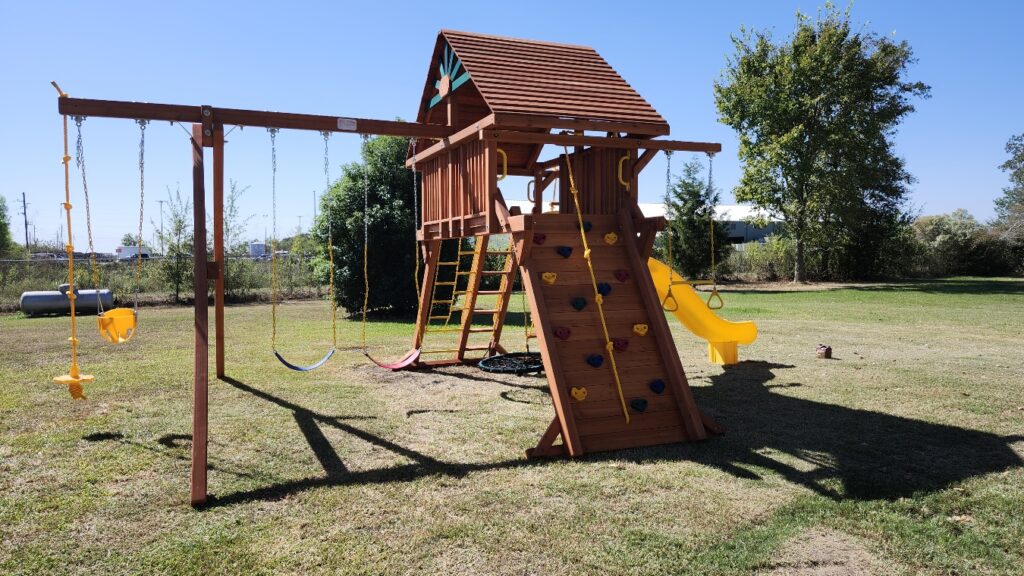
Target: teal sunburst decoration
[{"x": 450, "y": 79}]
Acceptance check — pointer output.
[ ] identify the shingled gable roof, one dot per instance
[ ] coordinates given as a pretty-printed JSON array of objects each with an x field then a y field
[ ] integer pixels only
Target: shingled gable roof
[{"x": 529, "y": 77}]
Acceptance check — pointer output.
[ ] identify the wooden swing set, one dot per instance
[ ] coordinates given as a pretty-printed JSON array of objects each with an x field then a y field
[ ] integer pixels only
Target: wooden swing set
[{"x": 489, "y": 107}]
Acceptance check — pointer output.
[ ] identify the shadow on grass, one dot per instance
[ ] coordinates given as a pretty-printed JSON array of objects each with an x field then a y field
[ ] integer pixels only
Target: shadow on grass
[
  {"x": 336, "y": 474},
  {"x": 843, "y": 453},
  {"x": 839, "y": 452}
]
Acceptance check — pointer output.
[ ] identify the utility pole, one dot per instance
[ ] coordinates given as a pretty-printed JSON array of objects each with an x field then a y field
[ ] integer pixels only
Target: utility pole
[
  {"x": 24, "y": 212},
  {"x": 314, "y": 205}
]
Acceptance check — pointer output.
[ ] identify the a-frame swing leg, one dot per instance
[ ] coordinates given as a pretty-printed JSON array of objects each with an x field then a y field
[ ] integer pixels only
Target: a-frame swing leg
[{"x": 201, "y": 374}]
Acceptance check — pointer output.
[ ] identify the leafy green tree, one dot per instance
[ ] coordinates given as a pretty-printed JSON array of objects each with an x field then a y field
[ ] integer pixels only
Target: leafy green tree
[
  {"x": 391, "y": 229},
  {"x": 176, "y": 265},
  {"x": 815, "y": 117},
  {"x": 690, "y": 208},
  {"x": 6, "y": 242},
  {"x": 1010, "y": 206}
]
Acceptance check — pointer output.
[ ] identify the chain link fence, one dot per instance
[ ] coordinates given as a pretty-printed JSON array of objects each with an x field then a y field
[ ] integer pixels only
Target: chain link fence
[{"x": 245, "y": 279}]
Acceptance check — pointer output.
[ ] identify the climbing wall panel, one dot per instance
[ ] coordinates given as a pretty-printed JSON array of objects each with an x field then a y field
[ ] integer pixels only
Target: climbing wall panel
[{"x": 578, "y": 365}]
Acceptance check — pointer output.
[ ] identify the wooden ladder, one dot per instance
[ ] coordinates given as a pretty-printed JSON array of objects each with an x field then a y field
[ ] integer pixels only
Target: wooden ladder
[{"x": 461, "y": 300}]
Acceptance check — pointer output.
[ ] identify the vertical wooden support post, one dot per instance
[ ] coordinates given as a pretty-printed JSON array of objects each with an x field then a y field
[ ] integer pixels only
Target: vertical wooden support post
[
  {"x": 472, "y": 287},
  {"x": 431, "y": 253},
  {"x": 200, "y": 382},
  {"x": 218, "y": 243},
  {"x": 538, "y": 192}
]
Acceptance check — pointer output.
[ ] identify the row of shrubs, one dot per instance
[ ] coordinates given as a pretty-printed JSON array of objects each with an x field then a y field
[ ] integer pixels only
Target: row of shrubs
[{"x": 932, "y": 246}]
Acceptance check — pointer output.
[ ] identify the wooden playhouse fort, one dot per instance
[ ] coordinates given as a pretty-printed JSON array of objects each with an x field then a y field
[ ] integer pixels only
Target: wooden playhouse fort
[{"x": 614, "y": 373}]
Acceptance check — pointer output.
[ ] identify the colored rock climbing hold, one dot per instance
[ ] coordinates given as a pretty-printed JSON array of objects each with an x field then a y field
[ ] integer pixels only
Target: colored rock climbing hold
[
  {"x": 622, "y": 275},
  {"x": 549, "y": 278},
  {"x": 562, "y": 333},
  {"x": 564, "y": 251},
  {"x": 595, "y": 360},
  {"x": 604, "y": 288},
  {"x": 640, "y": 329},
  {"x": 579, "y": 393},
  {"x": 657, "y": 386},
  {"x": 611, "y": 238},
  {"x": 587, "y": 226},
  {"x": 620, "y": 344},
  {"x": 638, "y": 404},
  {"x": 539, "y": 238},
  {"x": 579, "y": 303}
]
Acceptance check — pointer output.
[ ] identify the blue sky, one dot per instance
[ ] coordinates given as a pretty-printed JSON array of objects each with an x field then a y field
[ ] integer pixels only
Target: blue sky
[{"x": 370, "y": 60}]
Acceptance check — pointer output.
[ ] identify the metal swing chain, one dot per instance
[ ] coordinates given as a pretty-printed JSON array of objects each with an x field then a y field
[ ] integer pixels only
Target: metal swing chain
[
  {"x": 366, "y": 244},
  {"x": 415, "y": 229},
  {"x": 330, "y": 240},
  {"x": 711, "y": 219},
  {"x": 668, "y": 196},
  {"x": 273, "y": 237},
  {"x": 80, "y": 163},
  {"x": 142, "y": 204}
]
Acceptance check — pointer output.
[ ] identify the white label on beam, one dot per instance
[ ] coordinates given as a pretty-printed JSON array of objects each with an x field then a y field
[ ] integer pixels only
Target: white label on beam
[{"x": 347, "y": 124}]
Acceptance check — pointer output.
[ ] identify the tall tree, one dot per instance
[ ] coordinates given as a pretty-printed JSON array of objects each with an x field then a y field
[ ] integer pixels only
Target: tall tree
[
  {"x": 816, "y": 116},
  {"x": 6, "y": 243},
  {"x": 1010, "y": 206},
  {"x": 690, "y": 208},
  {"x": 388, "y": 183}
]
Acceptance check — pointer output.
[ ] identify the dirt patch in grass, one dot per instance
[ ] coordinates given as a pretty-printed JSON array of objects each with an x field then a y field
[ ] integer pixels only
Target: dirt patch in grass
[{"x": 819, "y": 552}]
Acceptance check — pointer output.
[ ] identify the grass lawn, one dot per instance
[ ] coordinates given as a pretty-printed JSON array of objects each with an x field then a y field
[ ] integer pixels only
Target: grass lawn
[{"x": 901, "y": 455}]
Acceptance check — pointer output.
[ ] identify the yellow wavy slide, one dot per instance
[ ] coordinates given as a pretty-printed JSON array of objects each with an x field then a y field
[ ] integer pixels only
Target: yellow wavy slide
[{"x": 692, "y": 311}]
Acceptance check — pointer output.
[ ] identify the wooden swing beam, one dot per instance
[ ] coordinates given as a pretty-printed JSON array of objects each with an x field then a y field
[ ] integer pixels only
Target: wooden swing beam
[{"x": 255, "y": 118}]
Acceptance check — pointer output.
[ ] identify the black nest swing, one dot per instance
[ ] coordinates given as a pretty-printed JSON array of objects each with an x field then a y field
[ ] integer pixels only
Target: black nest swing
[{"x": 518, "y": 363}]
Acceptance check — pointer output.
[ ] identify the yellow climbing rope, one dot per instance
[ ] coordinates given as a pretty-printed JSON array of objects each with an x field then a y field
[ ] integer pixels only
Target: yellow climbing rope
[
  {"x": 73, "y": 379},
  {"x": 598, "y": 299}
]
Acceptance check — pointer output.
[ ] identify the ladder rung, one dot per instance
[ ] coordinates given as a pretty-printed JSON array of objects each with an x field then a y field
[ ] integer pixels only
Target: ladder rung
[
  {"x": 482, "y": 330},
  {"x": 449, "y": 263},
  {"x": 444, "y": 283},
  {"x": 433, "y": 330},
  {"x": 485, "y": 311},
  {"x": 478, "y": 348},
  {"x": 495, "y": 272},
  {"x": 438, "y": 317},
  {"x": 466, "y": 252}
]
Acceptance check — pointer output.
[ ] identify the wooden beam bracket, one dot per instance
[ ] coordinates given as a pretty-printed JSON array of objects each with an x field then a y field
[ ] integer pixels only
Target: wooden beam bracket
[{"x": 514, "y": 137}]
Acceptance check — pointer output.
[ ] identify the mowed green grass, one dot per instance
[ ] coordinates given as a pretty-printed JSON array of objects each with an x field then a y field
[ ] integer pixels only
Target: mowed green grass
[{"x": 910, "y": 442}]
